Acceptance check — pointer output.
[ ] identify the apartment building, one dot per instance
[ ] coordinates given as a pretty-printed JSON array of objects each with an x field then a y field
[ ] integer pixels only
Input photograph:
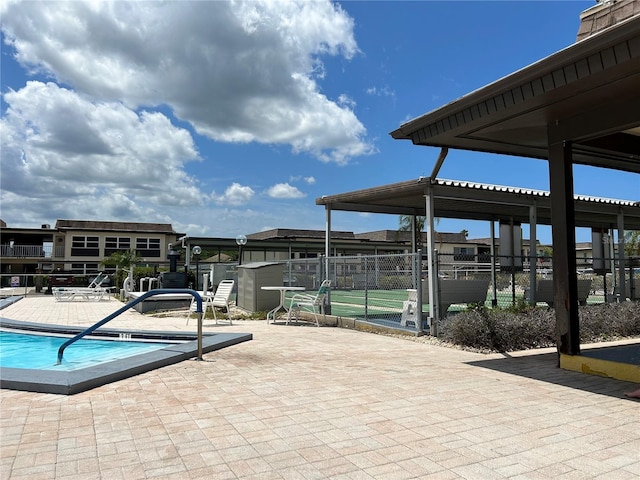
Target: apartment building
[{"x": 79, "y": 246}]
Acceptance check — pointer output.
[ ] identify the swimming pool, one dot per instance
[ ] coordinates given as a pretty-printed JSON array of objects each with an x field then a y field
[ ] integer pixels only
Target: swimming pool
[
  {"x": 174, "y": 347},
  {"x": 43, "y": 350}
]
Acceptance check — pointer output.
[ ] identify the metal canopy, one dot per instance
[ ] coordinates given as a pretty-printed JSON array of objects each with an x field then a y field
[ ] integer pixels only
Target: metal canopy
[
  {"x": 587, "y": 94},
  {"x": 580, "y": 105},
  {"x": 478, "y": 201}
]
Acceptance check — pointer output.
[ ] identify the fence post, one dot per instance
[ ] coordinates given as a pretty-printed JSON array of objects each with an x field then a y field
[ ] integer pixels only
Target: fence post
[
  {"x": 435, "y": 300},
  {"x": 325, "y": 272},
  {"x": 418, "y": 284}
]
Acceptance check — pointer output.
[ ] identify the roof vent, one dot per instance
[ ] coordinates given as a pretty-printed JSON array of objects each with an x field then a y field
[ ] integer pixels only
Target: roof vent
[{"x": 45, "y": 225}]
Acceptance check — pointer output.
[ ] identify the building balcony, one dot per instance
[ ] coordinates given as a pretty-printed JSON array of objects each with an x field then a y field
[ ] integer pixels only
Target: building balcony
[{"x": 31, "y": 251}]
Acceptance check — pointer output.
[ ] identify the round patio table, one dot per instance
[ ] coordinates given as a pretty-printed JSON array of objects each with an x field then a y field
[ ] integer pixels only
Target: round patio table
[{"x": 283, "y": 293}]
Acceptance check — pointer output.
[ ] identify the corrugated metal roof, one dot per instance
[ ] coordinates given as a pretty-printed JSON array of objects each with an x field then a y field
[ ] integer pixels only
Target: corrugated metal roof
[
  {"x": 530, "y": 192},
  {"x": 480, "y": 201}
]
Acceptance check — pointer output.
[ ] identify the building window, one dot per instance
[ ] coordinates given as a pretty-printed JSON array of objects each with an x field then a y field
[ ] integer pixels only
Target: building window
[
  {"x": 463, "y": 254},
  {"x": 116, "y": 244},
  {"x": 148, "y": 247},
  {"x": 84, "y": 268},
  {"x": 85, "y": 246}
]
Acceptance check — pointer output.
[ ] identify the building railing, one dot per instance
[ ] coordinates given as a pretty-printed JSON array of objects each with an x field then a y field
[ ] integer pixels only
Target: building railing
[
  {"x": 22, "y": 251},
  {"x": 31, "y": 251}
]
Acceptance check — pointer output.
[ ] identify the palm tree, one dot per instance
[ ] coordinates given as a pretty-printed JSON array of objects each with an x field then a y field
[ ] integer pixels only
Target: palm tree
[
  {"x": 632, "y": 243},
  {"x": 406, "y": 225},
  {"x": 122, "y": 260},
  {"x": 406, "y": 222}
]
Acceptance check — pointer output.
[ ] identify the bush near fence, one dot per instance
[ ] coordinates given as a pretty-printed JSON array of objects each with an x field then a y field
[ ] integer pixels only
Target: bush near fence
[{"x": 507, "y": 330}]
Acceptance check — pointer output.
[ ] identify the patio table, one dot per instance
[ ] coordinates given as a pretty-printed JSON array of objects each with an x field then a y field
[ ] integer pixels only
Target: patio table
[{"x": 283, "y": 293}]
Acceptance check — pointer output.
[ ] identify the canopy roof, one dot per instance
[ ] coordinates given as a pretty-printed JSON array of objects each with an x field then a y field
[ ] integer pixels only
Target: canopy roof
[
  {"x": 587, "y": 94},
  {"x": 479, "y": 201}
]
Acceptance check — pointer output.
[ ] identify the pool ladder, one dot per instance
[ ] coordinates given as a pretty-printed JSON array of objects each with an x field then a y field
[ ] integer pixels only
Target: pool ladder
[{"x": 133, "y": 302}]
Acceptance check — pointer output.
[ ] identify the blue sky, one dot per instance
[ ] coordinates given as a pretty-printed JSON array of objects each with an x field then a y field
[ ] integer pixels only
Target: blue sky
[{"x": 227, "y": 118}]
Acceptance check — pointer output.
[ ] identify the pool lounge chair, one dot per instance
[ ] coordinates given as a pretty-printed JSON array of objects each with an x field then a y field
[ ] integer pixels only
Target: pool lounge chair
[
  {"x": 95, "y": 291},
  {"x": 221, "y": 299},
  {"x": 7, "y": 291}
]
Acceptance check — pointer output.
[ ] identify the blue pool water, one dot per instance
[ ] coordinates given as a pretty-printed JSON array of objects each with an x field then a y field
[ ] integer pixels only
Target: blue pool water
[{"x": 18, "y": 350}]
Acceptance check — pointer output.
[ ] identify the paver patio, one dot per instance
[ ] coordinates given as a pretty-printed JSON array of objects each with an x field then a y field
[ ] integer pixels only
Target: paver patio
[{"x": 300, "y": 402}]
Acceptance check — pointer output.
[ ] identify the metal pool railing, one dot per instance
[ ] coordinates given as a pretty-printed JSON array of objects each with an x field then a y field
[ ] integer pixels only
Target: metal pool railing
[{"x": 142, "y": 297}]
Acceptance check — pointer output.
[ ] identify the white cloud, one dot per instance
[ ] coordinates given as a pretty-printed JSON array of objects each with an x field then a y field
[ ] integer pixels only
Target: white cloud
[
  {"x": 381, "y": 92},
  {"x": 91, "y": 155},
  {"x": 235, "y": 195},
  {"x": 237, "y": 71},
  {"x": 284, "y": 190},
  {"x": 346, "y": 101},
  {"x": 308, "y": 180}
]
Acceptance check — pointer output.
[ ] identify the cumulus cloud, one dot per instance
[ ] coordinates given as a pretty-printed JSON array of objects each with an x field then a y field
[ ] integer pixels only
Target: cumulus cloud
[
  {"x": 126, "y": 98},
  {"x": 57, "y": 144},
  {"x": 308, "y": 180},
  {"x": 235, "y": 195},
  {"x": 284, "y": 190},
  {"x": 236, "y": 71}
]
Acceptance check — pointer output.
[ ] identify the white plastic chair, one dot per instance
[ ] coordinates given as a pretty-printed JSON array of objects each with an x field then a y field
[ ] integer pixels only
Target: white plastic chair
[
  {"x": 193, "y": 306},
  {"x": 309, "y": 303},
  {"x": 221, "y": 299}
]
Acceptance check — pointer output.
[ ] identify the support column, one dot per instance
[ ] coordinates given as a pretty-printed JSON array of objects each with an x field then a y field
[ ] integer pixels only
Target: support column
[
  {"x": 622, "y": 282},
  {"x": 327, "y": 232},
  {"x": 414, "y": 228},
  {"x": 533, "y": 253},
  {"x": 563, "y": 228},
  {"x": 432, "y": 274},
  {"x": 327, "y": 255},
  {"x": 492, "y": 250}
]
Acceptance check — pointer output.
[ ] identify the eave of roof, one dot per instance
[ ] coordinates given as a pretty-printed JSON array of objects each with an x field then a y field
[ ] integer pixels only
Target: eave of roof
[
  {"x": 587, "y": 91},
  {"x": 141, "y": 227}
]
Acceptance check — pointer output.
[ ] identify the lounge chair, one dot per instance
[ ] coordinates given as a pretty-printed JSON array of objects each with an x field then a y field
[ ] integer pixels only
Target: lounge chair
[
  {"x": 221, "y": 299},
  {"x": 95, "y": 291},
  {"x": 309, "y": 303}
]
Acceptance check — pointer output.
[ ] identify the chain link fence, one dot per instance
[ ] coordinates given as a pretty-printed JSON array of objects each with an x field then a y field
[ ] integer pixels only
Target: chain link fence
[
  {"x": 393, "y": 290},
  {"x": 384, "y": 289}
]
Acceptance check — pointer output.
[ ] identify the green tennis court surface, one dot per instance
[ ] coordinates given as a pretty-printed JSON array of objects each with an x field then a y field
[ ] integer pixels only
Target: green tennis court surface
[{"x": 388, "y": 304}]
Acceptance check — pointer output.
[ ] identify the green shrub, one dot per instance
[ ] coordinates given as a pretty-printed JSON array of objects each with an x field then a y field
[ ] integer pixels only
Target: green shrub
[{"x": 523, "y": 327}]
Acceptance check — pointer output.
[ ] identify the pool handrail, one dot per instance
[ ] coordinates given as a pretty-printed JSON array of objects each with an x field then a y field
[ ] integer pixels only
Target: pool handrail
[{"x": 133, "y": 302}]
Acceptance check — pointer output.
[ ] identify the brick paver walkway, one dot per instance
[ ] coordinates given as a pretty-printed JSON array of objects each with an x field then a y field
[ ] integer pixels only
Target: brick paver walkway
[{"x": 300, "y": 402}]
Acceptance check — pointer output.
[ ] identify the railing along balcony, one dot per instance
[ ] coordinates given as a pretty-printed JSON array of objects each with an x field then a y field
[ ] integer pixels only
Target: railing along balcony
[{"x": 30, "y": 251}]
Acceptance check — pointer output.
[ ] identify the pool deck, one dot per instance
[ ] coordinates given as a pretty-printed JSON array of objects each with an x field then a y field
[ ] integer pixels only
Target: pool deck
[{"x": 300, "y": 402}]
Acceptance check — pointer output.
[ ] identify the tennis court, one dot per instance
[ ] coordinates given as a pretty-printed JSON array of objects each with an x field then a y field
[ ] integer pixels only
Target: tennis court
[{"x": 386, "y": 305}]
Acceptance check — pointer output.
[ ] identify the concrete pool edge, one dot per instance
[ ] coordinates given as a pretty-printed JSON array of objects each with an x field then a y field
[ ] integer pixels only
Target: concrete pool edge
[{"x": 72, "y": 382}]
